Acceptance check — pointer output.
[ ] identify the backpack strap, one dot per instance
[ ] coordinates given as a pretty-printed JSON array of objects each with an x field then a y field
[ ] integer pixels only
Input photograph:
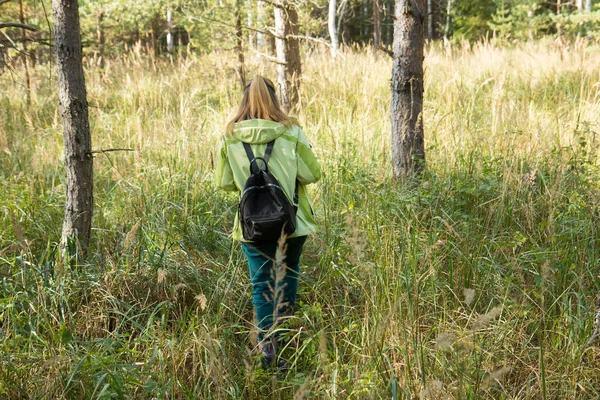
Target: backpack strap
[
  {"x": 265, "y": 159},
  {"x": 268, "y": 151}
]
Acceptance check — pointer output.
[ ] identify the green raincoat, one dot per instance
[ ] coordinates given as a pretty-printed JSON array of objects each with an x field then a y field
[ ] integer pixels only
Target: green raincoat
[{"x": 292, "y": 159}]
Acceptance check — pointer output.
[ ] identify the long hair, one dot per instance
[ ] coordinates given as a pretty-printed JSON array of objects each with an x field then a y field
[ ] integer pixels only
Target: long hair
[{"x": 260, "y": 102}]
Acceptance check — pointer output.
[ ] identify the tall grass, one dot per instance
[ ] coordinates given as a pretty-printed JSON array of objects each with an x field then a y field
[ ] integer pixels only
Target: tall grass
[{"x": 479, "y": 281}]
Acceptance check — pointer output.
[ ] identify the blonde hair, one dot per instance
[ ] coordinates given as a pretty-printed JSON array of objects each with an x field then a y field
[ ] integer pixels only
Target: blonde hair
[{"x": 260, "y": 102}]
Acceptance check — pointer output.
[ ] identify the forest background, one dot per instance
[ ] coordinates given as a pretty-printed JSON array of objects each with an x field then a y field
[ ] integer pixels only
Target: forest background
[{"x": 478, "y": 280}]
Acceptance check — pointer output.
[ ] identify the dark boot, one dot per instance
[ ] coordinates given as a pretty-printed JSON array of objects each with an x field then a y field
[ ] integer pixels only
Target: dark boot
[{"x": 268, "y": 350}]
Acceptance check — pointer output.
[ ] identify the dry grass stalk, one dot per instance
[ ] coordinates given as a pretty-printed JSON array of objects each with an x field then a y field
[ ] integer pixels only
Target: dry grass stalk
[
  {"x": 161, "y": 275},
  {"x": 131, "y": 237},
  {"x": 3, "y": 141},
  {"x": 201, "y": 298}
]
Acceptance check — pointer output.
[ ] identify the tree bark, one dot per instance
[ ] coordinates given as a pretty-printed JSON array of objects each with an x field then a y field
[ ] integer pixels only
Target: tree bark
[
  {"x": 448, "y": 19},
  {"x": 241, "y": 72},
  {"x": 333, "y": 32},
  {"x": 74, "y": 112},
  {"x": 27, "y": 74},
  {"x": 588, "y": 6},
  {"x": 100, "y": 37},
  {"x": 170, "y": 41},
  {"x": 389, "y": 36},
  {"x": 376, "y": 25},
  {"x": 579, "y": 5},
  {"x": 289, "y": 68},
  {"x": 406, "y": 111},
  {"x": 260, "y": 25},
  {"x": 430, "y": 20}
]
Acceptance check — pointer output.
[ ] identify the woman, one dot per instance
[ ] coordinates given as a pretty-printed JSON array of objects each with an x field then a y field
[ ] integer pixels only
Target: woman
[{"x": 259, "y": 121}]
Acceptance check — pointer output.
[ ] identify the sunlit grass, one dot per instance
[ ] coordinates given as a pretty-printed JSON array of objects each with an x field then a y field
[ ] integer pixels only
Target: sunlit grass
[{"x": 479, "y": 281}]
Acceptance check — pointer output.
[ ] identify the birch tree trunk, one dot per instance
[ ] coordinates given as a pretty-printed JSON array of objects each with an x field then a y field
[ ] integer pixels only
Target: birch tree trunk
[
  {"x": 406, "y": 111},
  {"x": 430, "y": 20},
  {"x": 579, "y": 5},
  {"x": 588, "y": 6},
  {"x": 333, "y": 33},
  {"x": 73, "y": 106},
  {"x": 289, "y": 68},
  {"x": 170, "y": 41},
  {"x": 448, "y": 19}
]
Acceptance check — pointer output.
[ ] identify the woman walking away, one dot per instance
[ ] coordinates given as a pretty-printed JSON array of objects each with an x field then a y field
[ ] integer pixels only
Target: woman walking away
[{"x": 265, "y": 154}]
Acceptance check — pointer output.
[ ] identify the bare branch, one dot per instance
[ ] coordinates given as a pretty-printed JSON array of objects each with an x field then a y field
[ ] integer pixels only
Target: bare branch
[
  {"x": 109, "y": 150},
  {"x": 386, "y": 51},
  {"x": 318, "y": 40},
  {"x": 203, "y": 19},
  {"x": 18, "y": 25},
  {"x": 4, "y": 1},
  {"x": 268, "y": 57}
]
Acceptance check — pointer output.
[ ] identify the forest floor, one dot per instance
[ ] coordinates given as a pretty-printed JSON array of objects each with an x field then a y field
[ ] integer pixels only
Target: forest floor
[{"x": 480, "y": 280}]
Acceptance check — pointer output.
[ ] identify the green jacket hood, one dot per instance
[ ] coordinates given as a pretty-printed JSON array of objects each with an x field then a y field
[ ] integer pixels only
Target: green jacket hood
[{"x": 258, "y": 131}]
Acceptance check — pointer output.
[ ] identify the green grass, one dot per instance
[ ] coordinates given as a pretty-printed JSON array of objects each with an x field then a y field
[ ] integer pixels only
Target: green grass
[{"x": 478, "y": 281}]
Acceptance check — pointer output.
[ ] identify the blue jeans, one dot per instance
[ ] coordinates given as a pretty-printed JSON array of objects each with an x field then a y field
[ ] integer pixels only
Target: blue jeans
[{"x": 269, "y": 301}]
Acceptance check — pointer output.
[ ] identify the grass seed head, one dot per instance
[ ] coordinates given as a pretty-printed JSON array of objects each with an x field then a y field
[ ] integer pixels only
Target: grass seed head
[
  {"x": 469, "y": 296},
  {"x": 483, "y": 320},
  {"x": 495, "y": 377}
]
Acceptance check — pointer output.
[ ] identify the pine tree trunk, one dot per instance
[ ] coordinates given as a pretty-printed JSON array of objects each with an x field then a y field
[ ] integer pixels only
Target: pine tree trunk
[
  {"x": 241, "y": 72},
  {"x": 289, "y": 68},
  {"x": 389, "y": 36},
  {"x": 25, "y": 53},
  {"x": 74, "y": 112},
  {"x": 333, "y": 33},
  {"x": 376, "y": 25},
  {"x": 406, "y": 111},
  {"x": 100, "y": 36}
]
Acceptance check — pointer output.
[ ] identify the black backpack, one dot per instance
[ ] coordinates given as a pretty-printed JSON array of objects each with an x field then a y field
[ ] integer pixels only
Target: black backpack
[{"x": 264, "y": 210}]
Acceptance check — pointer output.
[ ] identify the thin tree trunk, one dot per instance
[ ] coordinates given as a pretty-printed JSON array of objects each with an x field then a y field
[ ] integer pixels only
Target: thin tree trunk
[
  {"x": 74, "y": 112},
  {"x": 155, "y": 34},
  {"x": 406, "y": 111},
  {"x": 289, "y": 68},
  {"x": 430, "y": 20},
  {"x": 100, "y": 36},
  {"x": 170, "y": 42},
  {"x": 27, "y": 74},
  {"x": 239, "y": 46},
  {"x": 376, "y": 25},
  {"x": 579, "y": 5},
  {"x": 333, "y": 32},
  {"x": 448, "y": 19},
  {"x": 260, "y": 25},
  {"x": 588, "y": 6},
  {"x": 390, "y": 26},
  {"x": 250, "y": 21}
]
